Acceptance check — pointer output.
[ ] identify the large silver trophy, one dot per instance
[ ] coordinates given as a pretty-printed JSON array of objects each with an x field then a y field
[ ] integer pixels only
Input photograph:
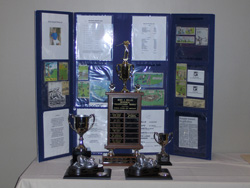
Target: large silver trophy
[
  {"x": 163, "y": 139},
  {"x": 81, "y": 126},
  {"x": 82, "y": 164}
]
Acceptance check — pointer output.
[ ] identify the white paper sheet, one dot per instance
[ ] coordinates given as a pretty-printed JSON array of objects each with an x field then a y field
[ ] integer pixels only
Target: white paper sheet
[
  {"x": 188, "y": 132},
  {"x": 96, "y": 138},
  {"x": 55, "y": 36},
  {"x": 152, "y": 121},
  {"x": 196, "y": 91},
  {"x": 149, "y": 40},
  {"x": 94, "y": 38},
  {"x": 196, "y": 76},
  {"x": 56, "y": 132}
]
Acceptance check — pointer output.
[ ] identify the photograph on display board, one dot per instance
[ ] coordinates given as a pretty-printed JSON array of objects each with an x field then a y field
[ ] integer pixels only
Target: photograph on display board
[
  {"x": 55, "y": 36},
  {"x": 65, "y": 87},
  {"x": 63, "y": 71},
  {"x": 55, "y": 95},
  {"x": 83, "y": 72},
  {"x": 50, "y": 71},
  {"x": 153, "y": 97},
  {"x": 148, "y": 80},
  {"x": 83, "y": 89},
  {"x": 98, "y": 89}
]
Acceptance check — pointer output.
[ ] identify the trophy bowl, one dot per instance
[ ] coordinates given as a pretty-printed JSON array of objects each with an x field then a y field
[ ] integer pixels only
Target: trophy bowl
[{"x": 163, "y": 139}]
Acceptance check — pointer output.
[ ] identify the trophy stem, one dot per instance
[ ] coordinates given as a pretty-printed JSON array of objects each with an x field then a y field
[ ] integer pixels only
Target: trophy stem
[
  {"x": 163, "y": 152},
  {"x": 81, "y": 145},
  {"x": 124, "y": 89}
]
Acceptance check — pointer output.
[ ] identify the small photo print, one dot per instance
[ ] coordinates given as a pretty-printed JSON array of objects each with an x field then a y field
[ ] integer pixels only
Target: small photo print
[
  {"x": 83, "y": 89},
  {"x": 201, "y": 36},
  {"x": 65, "y": 87},
  {"x": 185, "y": 30},
  {"x": 98, "y": 89},
  {"x": 83, "y": 72},
  {"x": 185, "y": 39},
  {"x": 153, "y": 97},
  {"x": 55, "y": 95},
  {"x": 63, "y": 71},
  {"x": 55, "y": 36},
  {"x": 181, "y": 88},
  {"x": 181, "y": 71},
  {"x": 148, "y": 80},
  {"x": 50, "y": 71}
]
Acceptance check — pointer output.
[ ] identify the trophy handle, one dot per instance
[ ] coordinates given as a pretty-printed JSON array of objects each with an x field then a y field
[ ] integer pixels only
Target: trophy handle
[
  {"x": 92, "y": 115},
  {"x": 131, "y": 71},
  {"x": 117, "y": 70},
  {"x": 72, "y": 127},
  {"x": 171, "y": 136},
  {"x": 155, "y": 133}
]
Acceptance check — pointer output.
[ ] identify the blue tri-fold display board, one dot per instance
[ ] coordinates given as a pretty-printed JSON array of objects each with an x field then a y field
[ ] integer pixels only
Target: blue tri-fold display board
[{"x": 173, "y": 58}]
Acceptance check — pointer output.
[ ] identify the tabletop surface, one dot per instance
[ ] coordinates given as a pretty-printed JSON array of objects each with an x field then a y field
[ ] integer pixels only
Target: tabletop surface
[{"x": 224, "y": 170}]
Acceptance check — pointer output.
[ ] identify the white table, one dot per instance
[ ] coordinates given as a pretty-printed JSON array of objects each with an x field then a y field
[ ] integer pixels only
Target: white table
[{"x": 224, "y": 170}]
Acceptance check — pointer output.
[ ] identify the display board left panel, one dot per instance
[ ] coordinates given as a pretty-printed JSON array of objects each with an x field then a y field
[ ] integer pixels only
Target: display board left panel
[{"x": 54, "y": 41}]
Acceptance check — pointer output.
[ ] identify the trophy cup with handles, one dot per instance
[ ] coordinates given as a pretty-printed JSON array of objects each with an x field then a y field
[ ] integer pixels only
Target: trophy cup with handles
[
  {"x": 163, "y": 139},
  {"x": 81, "y": 126},
  {"x": 125, "y": 69},
  {"x": 82, "y": 164}
]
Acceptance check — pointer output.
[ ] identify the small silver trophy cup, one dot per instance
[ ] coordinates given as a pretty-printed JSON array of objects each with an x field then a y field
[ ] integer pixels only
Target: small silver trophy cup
[
  {"x": 163, "y": 139},
  {"x": 81, "y": 126}
]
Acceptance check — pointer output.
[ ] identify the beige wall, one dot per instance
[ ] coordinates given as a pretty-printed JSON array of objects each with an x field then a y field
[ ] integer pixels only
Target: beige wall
[{"x": 231, "y": 126}]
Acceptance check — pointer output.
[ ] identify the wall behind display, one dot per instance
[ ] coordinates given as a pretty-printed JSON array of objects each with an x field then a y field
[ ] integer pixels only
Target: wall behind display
[{"x": 17, "y": 71}]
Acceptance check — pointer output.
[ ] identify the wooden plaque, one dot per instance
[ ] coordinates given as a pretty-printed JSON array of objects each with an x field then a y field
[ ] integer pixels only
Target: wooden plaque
[{"x": 124, "y": 121}]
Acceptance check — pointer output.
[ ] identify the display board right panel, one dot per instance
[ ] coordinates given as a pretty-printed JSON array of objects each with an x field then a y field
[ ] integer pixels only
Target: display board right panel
[{"x": 192, "y": 62}]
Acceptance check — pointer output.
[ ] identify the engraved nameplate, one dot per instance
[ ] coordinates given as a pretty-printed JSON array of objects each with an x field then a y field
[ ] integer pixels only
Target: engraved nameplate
[{"x": 124, "y": 103}]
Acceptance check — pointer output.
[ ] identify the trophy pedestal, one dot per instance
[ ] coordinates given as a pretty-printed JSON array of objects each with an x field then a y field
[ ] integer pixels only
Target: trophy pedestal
[
  {"x": 163, "y": 174},
  {"x": 77, "y": 152},
  {"x": 163, "y": 159},
  {"x": 84, "y": 173},
  {"x": 118, "y": 160},
  {"x": 133, "y": 171}
]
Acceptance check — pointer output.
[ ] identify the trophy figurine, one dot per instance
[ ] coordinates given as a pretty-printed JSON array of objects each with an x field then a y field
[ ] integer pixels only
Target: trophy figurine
[
  {"x": 143, "y": 167},
  {"x": 146, "y": 168},
  {"x": 125, "y": 69},
  {"x": 163, "y": 139},
  {"x": 81, "y": 126}
]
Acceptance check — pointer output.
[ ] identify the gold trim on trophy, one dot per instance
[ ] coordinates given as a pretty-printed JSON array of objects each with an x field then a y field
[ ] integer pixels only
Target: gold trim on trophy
[{"x": 125, "y": 69}]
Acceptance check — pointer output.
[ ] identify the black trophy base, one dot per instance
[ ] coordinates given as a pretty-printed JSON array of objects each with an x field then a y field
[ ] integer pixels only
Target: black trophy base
[
  {"x": 77, "y": 152},
  {"x": 163, "y": 160},
  {"x": 134, "y": 171},
  {"x": 83, "y": 173},
  {"x": 163, "y": 174}
]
